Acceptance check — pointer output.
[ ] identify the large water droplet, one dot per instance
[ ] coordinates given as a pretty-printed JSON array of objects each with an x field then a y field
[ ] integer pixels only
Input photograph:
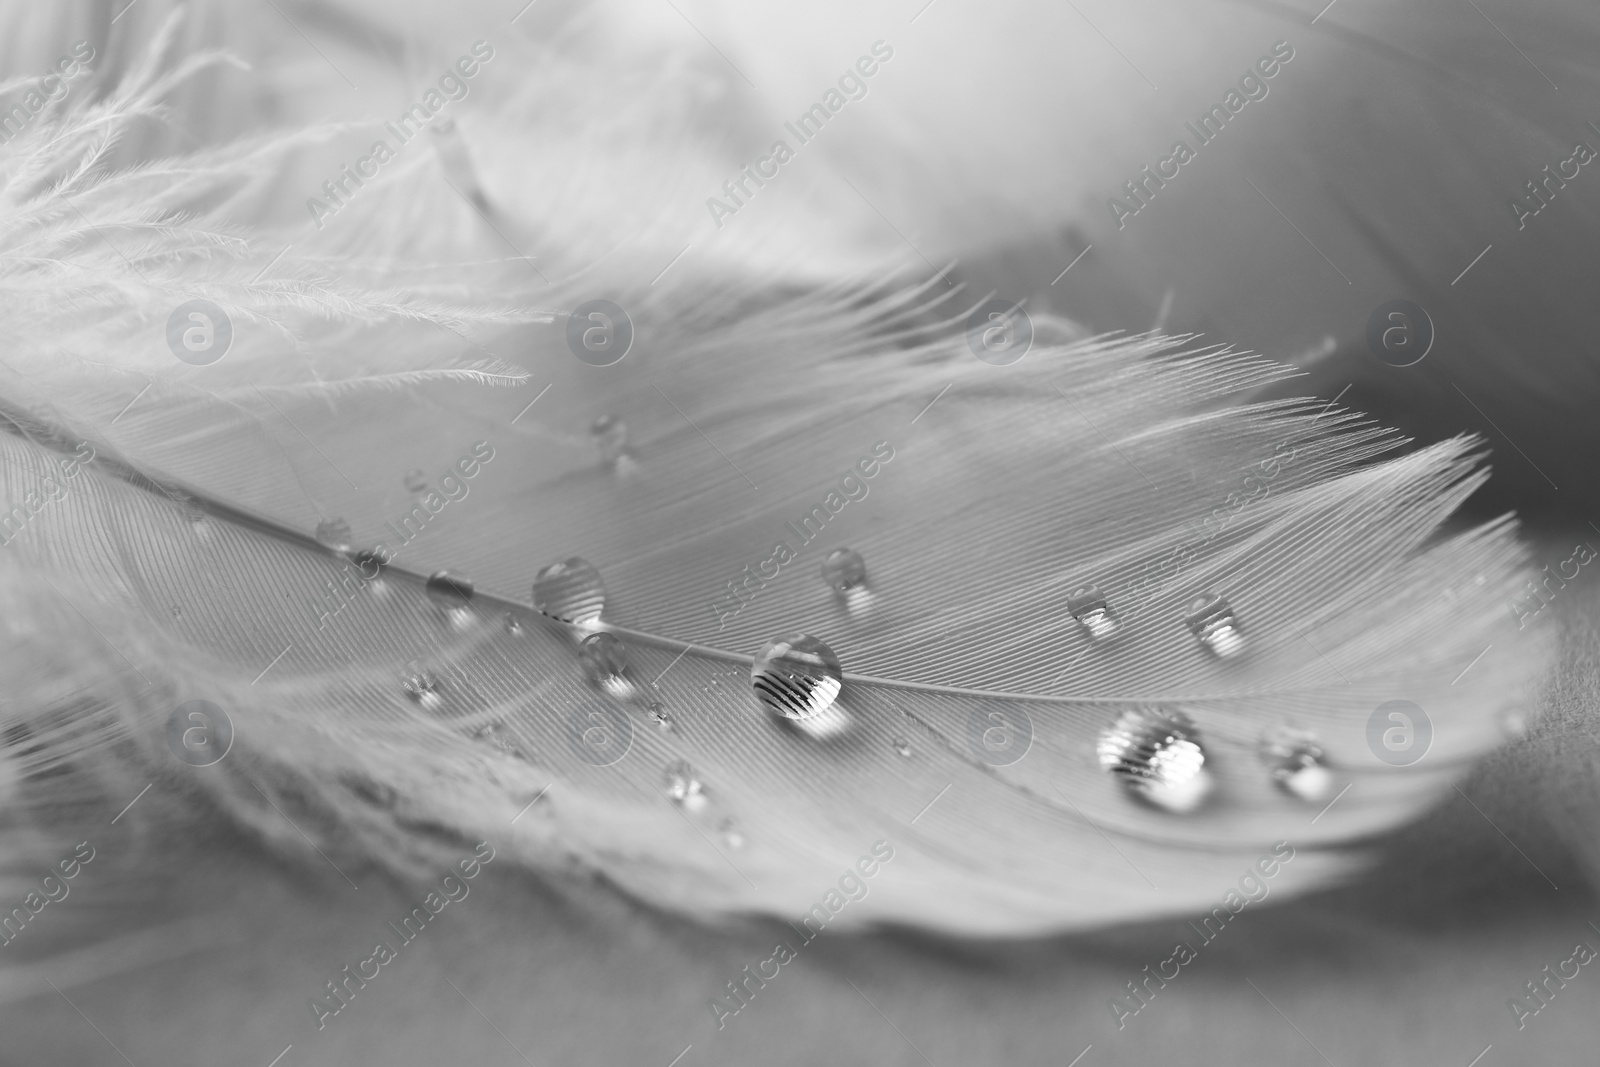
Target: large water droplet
[
  {"x": 682, "y": 786},
  {"x": 796, "y": 676},
  {"x": 571, "y": 592},
  {"x": 334, "y": 534},
  {"x": 1212, "y": 621},
  {"x": 422, "y": 686},
  {"x": 604, "y": 659},
  {"x": 1298, "y": 766},
  {"x": 1157, "y": 753},
  {"x": 844, "y": 569},
  {"x": 450, "y": 591},
  {"x": 1088, "y": 605},
  {"x": 610, "y": 436}
]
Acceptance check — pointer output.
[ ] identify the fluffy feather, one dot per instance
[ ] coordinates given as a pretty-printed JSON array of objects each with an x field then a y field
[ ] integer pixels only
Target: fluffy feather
[{"x": 1093, "y": 460}]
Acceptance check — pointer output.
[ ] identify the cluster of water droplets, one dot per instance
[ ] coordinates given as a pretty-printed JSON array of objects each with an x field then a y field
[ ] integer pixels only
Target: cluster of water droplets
[{"x": 1156, "y": 751}]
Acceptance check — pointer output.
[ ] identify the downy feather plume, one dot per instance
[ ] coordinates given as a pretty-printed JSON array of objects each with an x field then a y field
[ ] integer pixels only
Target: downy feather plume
[{"x": 163, "y": 549}]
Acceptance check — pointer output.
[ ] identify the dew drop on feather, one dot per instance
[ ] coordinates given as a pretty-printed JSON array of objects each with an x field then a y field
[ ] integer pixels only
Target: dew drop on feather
[
  {"x": 334, "y": 534},
  {"x": 1158, "y": 756},
  {"x": 1088, "y": 605},
  {"x": 796, "y": 676},
  {"x": 1212, "y": 621},
  {"x": 844, "y": 569},
  {"x": 570, "y": 591}
]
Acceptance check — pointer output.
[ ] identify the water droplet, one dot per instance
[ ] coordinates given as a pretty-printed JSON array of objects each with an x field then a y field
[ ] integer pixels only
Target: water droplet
[
  {"x": 659, "y": 716},
  {"x": 571, "y": 592},
  {"x": 730, "y": 834},
  {"x": 1298, "y": 766},
  {"x": 1211, "y": 620},
  {"x": 844, "y": 569},
  {"x": 416, "y": 481},
  {"x": 177, "y": 613},
  {"x": 334, "y": 534},
  {"x": 604, "y": 658},
  {"x": 902, "y": 746},
  {"x": 682, "y": 786},
  {"x": 610, "y": 436},
  {"x": 423, "y": 686},
  {"x": 1157, "y": 754},
  {"x": 450, "y": 591},
  {"x": 1088, "y": 605},
  {"x": 370, "y": 562},
  {"x": 796, "y": 676},
  {"x": 1513, "y": 724},
  {"x": 512, "y": 624}
]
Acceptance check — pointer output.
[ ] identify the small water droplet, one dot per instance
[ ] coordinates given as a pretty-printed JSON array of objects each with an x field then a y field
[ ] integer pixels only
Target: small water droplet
[
  {"x": 610, "y": 436},
  {"x": 370, "y": 562},
  {"x": 659, "y": 716},
  {"x": 604, "y": 658},
  {"x": 796, "y": 676},
  {"x": 1212, "y": 621},
  {"x": 512, "y": 624},
  {"x": 730, "y": 834},
  {"x": 1157, "y": 753},
  {"x": 844, "y": 569},
  {"x": 177, "y": 613},
  {"x": 682, "y": 786},
  {"x": 1088, "y": 605},
  {"x": 416, "y": 481},
  {"x": 1298, "y": 766},
  {"x": 902, "y": 746},
  {"x": 423, "y": 686},
  {"x": 334, "y": 534},
  {"x": 571, "y": 592},
  {"x": 450, "y": 591},
  {"x": 1513, "y": 724}
]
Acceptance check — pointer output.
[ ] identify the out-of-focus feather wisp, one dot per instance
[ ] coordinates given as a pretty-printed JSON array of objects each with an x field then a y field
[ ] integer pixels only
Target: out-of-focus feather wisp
[{"x": 499, "y": 473}]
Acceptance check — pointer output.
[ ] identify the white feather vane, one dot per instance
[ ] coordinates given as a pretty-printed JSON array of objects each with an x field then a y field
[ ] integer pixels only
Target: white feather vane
[{"x": 370, "y": 722}]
